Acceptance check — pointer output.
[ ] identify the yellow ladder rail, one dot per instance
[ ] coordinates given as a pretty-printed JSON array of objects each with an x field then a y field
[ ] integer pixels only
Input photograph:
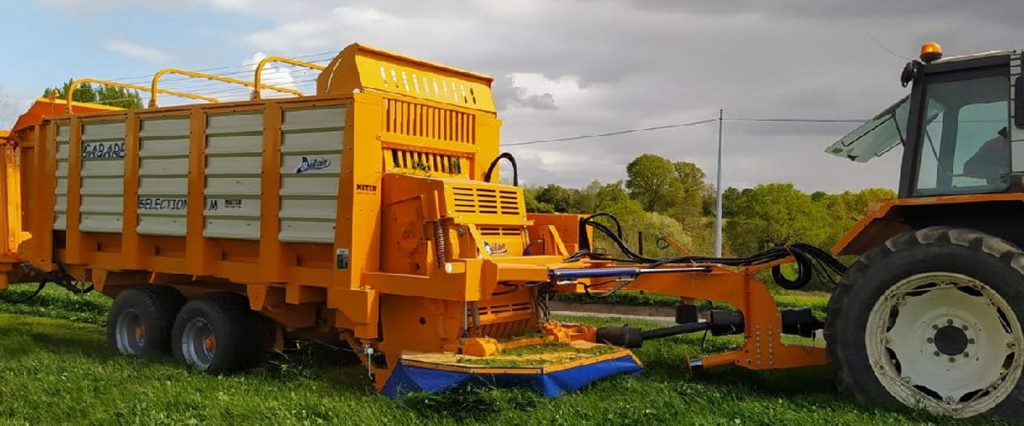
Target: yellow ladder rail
[
  {"x": 155, "y": 85},
  {"x": 78, "y": 81},
  {"x": 258, "y": 78}
]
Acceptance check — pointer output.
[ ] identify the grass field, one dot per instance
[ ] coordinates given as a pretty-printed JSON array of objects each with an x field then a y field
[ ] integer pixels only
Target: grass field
[{"x": 55, "y": 369}]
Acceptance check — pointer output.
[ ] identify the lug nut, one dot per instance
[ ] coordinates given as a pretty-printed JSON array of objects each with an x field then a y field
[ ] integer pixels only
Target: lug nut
[
  {"x": 964, "y": 327},
  {"x": 970, "y": 341},
  {"x": 937, "y": 353},
  {"x": 951, "y": 359},
  {"x": 949, "y": 322},
  {"x": 935, "y": 326},
  {"x": 967, "y": 354},
  {"x": 931, "y": 340}
]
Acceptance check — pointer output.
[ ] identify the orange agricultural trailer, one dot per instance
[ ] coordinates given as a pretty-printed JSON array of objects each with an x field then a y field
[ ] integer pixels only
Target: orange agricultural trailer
[{"x": 367, "y": 212}]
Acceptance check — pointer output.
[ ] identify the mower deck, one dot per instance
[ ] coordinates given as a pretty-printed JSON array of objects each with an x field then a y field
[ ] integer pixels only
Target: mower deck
[{"x": 552, "y": 369}]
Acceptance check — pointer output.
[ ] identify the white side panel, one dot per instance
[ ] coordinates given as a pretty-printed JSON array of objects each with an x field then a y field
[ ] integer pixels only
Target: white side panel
[
  {"x": 163, "y": 176},
  {"x": 311, "y": 144},
  {"x": 234, "y": 149},
  {"x": 102, "y": 174},
  {"x": 60, "y": 208}
]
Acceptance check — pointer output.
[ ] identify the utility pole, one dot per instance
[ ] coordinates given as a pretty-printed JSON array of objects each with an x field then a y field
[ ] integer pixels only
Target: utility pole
[{"x": 718, "y": 188}]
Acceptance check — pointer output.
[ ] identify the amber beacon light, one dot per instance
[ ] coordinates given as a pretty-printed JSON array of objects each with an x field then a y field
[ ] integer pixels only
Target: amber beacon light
[{"x": 931, "y": 51}]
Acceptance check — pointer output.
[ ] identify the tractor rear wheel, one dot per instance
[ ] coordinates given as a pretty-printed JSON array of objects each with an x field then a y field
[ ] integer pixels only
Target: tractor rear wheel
[
  {"x": 139, "y": 323},
  {"x": 932, "y": 319}
]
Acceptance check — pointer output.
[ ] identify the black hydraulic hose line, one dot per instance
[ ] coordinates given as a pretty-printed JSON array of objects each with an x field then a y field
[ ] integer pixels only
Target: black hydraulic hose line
[
  {"x": 810, "y": 260},
  {"x": 61, "y": 278},
  {"x": 674, "y": 330},
  {"x": 615, "y": 220},
  {"x": 617, "y": 239},
  {"x": 582, "y": 239},
  {"x": 515, "y": 168},
  {"x": 26, "y": 298}
]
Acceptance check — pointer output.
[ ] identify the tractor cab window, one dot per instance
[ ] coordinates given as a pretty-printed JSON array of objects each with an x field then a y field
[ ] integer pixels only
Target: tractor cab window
[
  {"x": 964, "y": 146},
  {"x": 875, "y": 137}
]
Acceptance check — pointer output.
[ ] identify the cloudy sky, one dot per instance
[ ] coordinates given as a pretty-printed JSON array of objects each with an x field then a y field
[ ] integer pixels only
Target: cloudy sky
[{"x": 561, "y": 67}]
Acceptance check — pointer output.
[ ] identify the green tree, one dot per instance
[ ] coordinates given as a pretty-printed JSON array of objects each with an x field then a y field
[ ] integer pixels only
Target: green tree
[
  {"x": 653, "y": 181},
  {"x": 688, "y": 203},
  {"x": 846, "y": 208},
  {"x": 532, "y": 205},
  {"x": 561, "y": 199},
  {"x": 773, "y": 215},
  {"x": 99, "y": 94},
  {"x": 598, "y": 197},
  {"x": 635, "y": 219},
  {"x": 731, "y": 198}
]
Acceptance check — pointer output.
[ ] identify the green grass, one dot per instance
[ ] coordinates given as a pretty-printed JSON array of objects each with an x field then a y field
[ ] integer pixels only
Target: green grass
[{"x": 55, "y": 369}]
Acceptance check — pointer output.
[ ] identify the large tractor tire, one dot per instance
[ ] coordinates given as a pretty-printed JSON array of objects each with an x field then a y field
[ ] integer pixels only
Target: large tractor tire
[
  {"x": 219, "y": 334},
  {"x": 139, "y": 323},
  {"x": 932, "y": 320}
]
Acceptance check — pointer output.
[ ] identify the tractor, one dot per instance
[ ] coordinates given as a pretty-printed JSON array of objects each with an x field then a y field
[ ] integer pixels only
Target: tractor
[{"x": 930, "y": 314}]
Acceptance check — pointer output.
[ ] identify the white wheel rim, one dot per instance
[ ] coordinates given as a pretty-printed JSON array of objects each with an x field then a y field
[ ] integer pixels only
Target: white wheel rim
[{"x": 946, "y": 343}]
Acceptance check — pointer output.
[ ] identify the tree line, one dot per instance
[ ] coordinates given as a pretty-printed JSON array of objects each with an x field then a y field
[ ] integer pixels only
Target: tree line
[
  {"x": 101, "y": 94},
  {"x": 672, "y": 204}
]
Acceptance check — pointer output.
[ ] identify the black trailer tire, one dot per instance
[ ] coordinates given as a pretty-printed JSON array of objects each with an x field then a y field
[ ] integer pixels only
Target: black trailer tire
[
  {"x": 140, "y": 321},
  {"x": 877, "y": 305},
  {"x": 219, "y": 334}
]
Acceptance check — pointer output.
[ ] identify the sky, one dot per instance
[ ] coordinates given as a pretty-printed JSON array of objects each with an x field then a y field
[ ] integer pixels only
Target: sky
[{"x": 561, "y": 67}]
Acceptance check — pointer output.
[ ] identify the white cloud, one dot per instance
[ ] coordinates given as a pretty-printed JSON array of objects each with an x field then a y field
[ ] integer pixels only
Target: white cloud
[
  {"x": 327, "y": 30},
  {"x": 573, "y": 67},
  {"x": 272, "y": 75},
  {"x": 136, "y": 51}
]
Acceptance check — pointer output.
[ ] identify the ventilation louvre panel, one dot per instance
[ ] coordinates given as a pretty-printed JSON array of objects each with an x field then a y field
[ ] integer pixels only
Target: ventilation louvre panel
[
  {"x": 408, "y": 161},
  {"x": 500, "y": 231},
  {"x": 485, "y": 200},
  {"x": 425, "y": 121}
]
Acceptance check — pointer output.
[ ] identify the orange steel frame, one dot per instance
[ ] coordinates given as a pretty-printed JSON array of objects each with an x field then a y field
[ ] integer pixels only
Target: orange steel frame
[
  {"x": 392, "y": 103},
  {"x": 762, "y": 349}
]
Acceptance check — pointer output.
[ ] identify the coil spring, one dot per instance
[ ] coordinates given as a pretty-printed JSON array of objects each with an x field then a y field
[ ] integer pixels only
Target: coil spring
[{"x": 439, "y": 244}]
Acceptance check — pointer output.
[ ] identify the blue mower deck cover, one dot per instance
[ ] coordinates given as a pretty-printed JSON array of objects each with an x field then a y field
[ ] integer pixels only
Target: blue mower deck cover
[{"x": 551, "y": 381}]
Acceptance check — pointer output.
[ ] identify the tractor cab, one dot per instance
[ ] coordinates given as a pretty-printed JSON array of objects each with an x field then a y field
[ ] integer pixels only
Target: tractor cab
[{"x": 955, "y": 126}]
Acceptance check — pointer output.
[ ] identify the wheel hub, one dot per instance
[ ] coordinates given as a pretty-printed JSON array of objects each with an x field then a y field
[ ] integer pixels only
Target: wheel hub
[
  {"x": 950, "y": 340},
  {"x": 129, "y": 333},
  {"x": 198, "y": 343},
  {"x": 945, "y": 342}
]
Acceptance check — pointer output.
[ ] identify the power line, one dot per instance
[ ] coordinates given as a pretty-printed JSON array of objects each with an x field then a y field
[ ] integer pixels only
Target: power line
[
  {"x": 615, "y": 133},
  {"x": 797, "y": 120},
  {"x": 687, "y": 124},
  {"x": 244, "y": 64}
]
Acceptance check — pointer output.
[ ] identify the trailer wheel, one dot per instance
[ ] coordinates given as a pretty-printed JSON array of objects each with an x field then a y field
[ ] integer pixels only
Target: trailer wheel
[
  {"x": 932, "y": 319},
  {"x": 219, "y": 334},
  {"x": 140, "y": 322}
]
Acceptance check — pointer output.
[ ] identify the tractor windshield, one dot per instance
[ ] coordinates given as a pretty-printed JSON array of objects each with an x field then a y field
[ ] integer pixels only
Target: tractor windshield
[
  {"x": 875, "y": 137},
  {"x": 964, "y": 146}
]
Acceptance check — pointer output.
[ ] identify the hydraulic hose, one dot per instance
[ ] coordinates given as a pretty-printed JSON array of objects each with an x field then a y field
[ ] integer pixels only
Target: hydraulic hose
[
  {"x": 810, "y": 260},
  {"x": 512, "y": 160}
]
